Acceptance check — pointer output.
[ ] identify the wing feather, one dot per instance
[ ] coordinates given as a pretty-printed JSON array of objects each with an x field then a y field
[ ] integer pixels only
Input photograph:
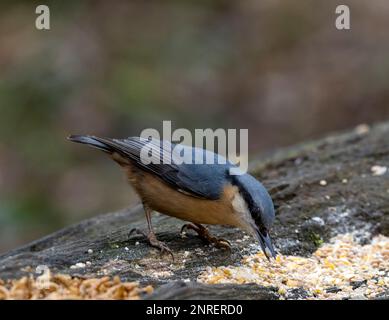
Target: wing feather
[{"x": 204, "y": 181}]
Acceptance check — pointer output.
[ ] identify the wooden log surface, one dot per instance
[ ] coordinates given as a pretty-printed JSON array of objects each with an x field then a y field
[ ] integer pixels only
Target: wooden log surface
[{"x": 292, "y": 175}]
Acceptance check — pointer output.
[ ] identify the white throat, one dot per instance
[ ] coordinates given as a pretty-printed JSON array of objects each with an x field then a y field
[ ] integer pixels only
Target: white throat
[{"x": 241, "y": 209}]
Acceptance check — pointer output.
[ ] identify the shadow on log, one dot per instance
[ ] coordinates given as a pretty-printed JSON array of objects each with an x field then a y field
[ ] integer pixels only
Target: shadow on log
[{"x": 330, "y": 179}]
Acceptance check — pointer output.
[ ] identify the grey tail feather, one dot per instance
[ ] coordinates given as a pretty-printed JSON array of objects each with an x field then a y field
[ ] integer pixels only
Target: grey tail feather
[{"x": 92, "y": 141}]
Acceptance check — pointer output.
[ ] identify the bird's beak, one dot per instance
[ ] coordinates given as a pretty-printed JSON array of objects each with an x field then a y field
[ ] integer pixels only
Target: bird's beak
[{"x": 266, "y": 245}]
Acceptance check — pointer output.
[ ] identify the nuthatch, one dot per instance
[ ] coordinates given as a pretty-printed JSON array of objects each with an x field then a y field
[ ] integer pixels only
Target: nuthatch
[{"x": 199, "y": 193}]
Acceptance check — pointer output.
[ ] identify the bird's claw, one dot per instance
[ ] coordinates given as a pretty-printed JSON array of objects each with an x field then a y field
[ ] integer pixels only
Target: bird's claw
[
  {"x": 222, "y": 243},
  {"x": 159, "y": 245},
  {"x": 136, "y": 231},
  {"x": 153, "y": 241},
  {"x": 185, "y": 226},
  {"x": 206, "y": 236}
]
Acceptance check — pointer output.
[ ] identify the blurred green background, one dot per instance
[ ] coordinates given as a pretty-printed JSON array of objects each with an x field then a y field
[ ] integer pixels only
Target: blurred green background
[{"x": 279, "y": 68}]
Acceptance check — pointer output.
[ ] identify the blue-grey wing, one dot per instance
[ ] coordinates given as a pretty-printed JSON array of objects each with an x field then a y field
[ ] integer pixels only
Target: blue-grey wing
[{"x": 181, "y": 167}]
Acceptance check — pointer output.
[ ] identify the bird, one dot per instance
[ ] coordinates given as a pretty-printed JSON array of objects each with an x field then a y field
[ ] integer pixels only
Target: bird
[{"x": 194, "y": 191}]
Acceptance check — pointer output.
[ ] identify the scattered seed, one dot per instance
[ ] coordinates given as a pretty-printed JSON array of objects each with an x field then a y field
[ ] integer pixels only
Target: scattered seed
[
  {"x": 378, "y": 170},
  {"x": 331, "y": 273},
  {"x": 323, "y": 182},
  {"x": 362, "y": 129},
  {"x": 62, "y": 286},
  {"x": 78, "y": 265},
  {"x": 318, "y": 220}
]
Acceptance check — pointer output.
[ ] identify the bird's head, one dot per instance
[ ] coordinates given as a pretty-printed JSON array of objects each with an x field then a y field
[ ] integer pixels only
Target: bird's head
[{"x": 258, "y": 210}]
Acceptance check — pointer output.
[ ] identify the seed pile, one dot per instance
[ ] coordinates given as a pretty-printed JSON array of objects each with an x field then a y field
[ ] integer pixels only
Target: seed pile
[
  {"x": 60, "y": 286},
  {"x": 339, "y": 269}
]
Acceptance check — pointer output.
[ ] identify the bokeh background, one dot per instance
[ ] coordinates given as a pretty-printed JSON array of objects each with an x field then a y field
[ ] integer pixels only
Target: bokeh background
[{"x": 279, "y": 68}]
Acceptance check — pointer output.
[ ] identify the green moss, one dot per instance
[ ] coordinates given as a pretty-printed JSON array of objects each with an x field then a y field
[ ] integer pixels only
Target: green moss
[{"x": 316, "y": 239}]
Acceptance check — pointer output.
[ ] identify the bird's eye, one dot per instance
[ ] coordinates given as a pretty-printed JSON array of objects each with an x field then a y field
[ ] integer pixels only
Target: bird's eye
[{"x": 262, "y": 228}]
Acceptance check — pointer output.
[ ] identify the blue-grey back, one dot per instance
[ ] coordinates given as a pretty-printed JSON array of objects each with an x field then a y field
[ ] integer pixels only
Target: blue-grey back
[{"x": 184, "y": 171}]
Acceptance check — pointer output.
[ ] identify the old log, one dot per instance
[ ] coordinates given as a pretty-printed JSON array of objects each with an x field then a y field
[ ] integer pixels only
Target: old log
[{"x": 315, "y": 179}]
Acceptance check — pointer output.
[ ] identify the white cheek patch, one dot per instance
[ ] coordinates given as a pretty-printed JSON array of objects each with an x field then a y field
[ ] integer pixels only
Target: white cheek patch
[
  {"x": 239, "y": 205},
  {"x": 241, "y": 209}
]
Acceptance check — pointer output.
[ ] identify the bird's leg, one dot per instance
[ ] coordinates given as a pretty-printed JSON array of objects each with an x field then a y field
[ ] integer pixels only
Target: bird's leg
[
  {"x": 150, "y": 235},
  {"x": 206, "y": 236}
]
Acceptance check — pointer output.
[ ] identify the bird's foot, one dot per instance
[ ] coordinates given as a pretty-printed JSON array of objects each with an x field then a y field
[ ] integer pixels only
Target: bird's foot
[
  {"x": 137, "y": 231},
  {"x": 204, "y": 235},
  {"x": 153, "y": 241}
]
